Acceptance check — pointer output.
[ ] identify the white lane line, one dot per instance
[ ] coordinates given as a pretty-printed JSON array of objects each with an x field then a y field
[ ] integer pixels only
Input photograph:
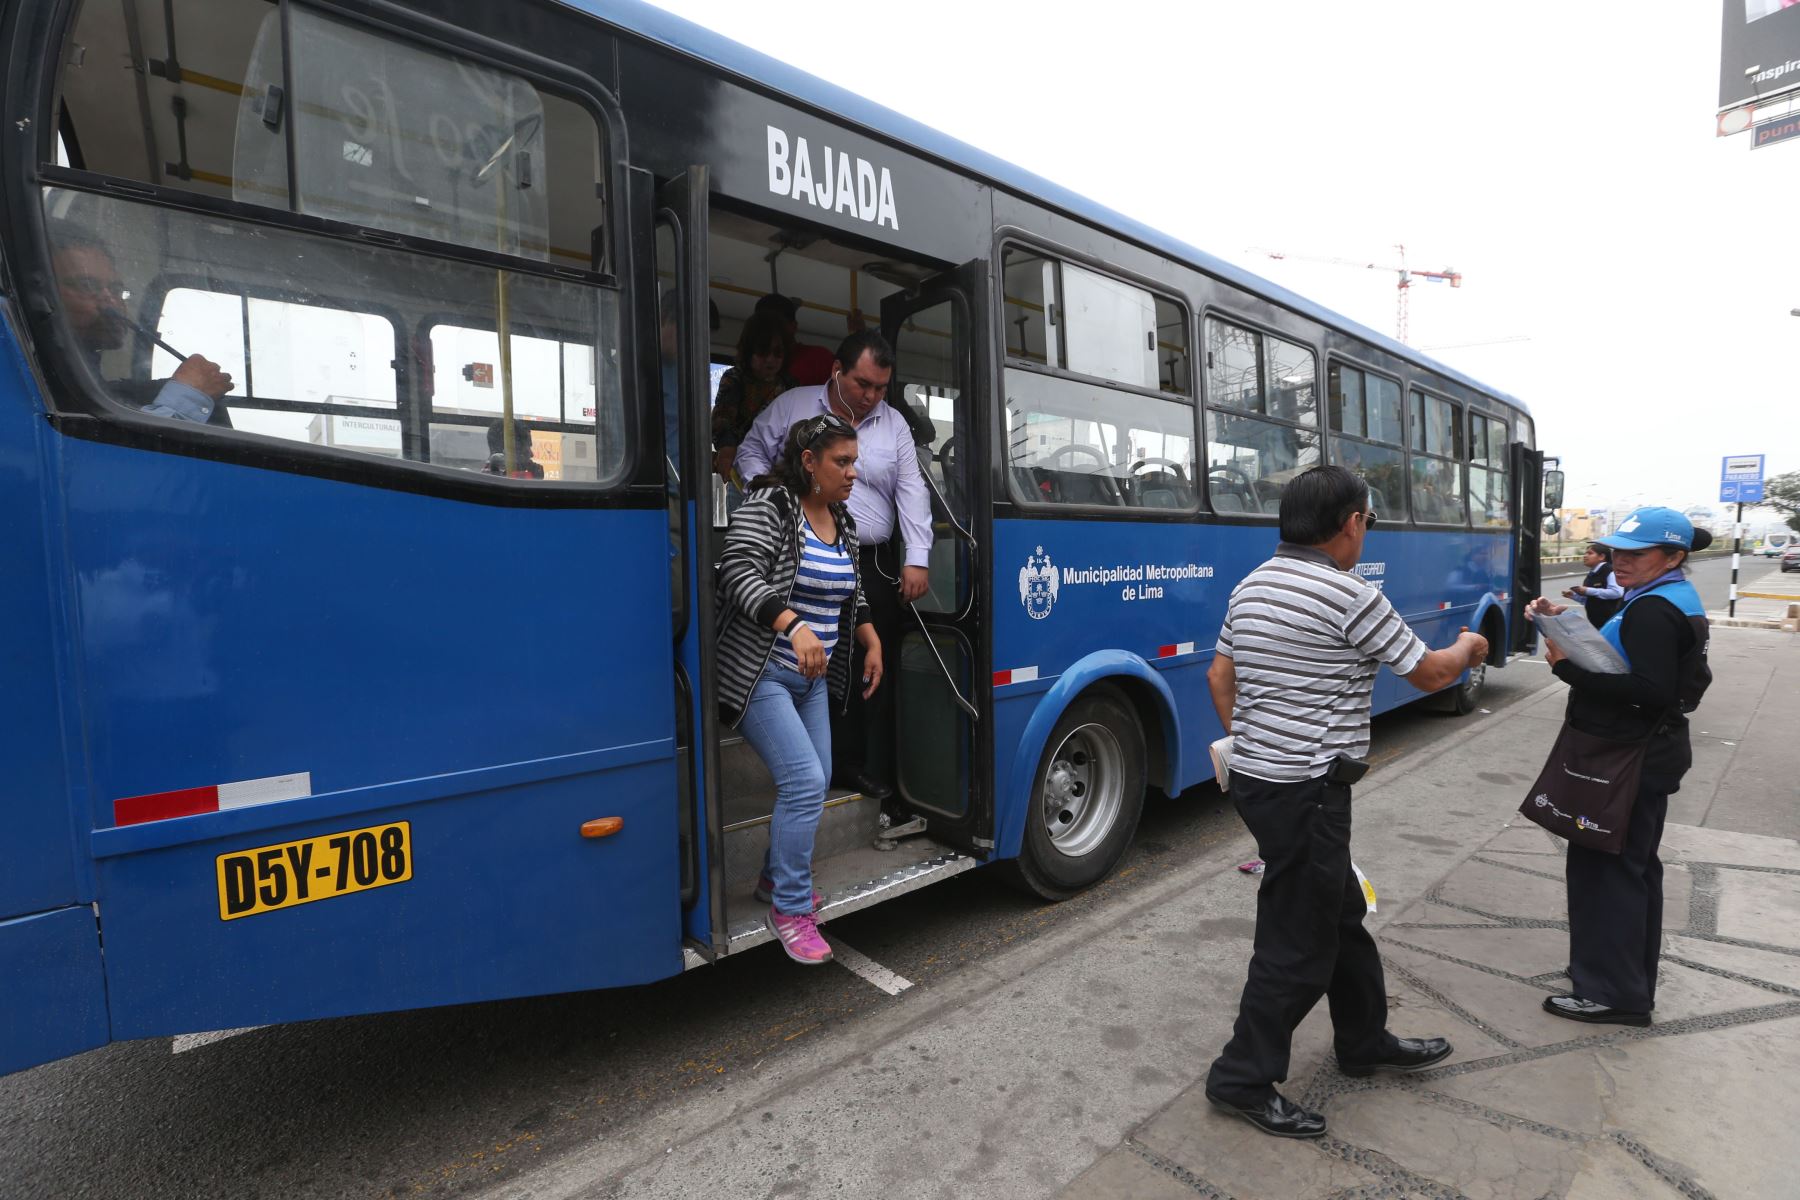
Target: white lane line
[
  {"x": 1540, "y": 662},
  {"x": 858, "y": 963},
  {"x": 193, "y": 1041}
]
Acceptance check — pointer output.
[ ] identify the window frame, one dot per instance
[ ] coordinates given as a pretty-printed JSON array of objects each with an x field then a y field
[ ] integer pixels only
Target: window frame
[
  {"x": 1059, "y": 255},
  {"x": 78, "y": 407},
  {"x": 1203, "y": 375},
  {"x": 1336, "y": 361},
  {"x": 1459, "y": 426},
  {"x": 1493, "y": 412}
]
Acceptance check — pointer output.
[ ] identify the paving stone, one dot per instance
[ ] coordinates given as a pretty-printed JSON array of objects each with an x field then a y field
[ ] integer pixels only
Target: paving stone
[
  {"x": 1608, "y": 1172},
  {"x": 1524, "y": 952},
  {"x": 1482, "y": 1160},
  {"x": 1424, "y": 912},
  {"x": 1238, "y": 1160},
  {"x": 1415, "y": 1015},
  {"x": 1693, "y": 844},
  {"x": 1720, "y": 1102},
  {"x": 1501, "y": 892},
  {"x": 1760, "y": 907},
  {"x": 1513, "y": 1009},
  {"x": 1122, "y": 1175},
  {"x": 1522, "y": 837},
  {"x": 1568, "y": 1091},
  {"x": 1683, "y": 992},
  {"x": 1766, "y": 965},
  {"x": 1678, "y": 892},
  {"x": 1547, "y": 862}
]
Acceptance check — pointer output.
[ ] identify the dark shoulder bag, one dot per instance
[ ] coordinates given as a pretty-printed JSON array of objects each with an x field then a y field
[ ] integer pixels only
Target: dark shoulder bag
[{"x": 1588, "y": 786}]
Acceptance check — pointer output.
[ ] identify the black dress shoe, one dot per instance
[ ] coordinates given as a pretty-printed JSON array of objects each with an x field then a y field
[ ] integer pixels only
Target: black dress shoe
[
  {"x": 866, "y": 785},
  {"x": 1576, "y": 1009},
  {"x": 1277, "y": 1116},
  {"x": 1410, "y": 1054}
]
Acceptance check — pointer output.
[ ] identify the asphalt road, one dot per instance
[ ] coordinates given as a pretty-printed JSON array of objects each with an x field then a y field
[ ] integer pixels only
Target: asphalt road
[{"x": 448, "y": 1101}]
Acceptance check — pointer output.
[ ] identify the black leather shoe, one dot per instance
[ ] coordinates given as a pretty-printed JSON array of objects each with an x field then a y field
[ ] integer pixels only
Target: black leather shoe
[
  {"x": 866, "y": 785},
  {"x": 1277, "y": 1116},
  {"x": 1575, "y": 1008},
  {"x": 1412, "y": 1054}
]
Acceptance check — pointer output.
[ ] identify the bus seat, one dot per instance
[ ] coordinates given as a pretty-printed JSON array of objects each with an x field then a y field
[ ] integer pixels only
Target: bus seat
[{"x": 1227, "y": 502}]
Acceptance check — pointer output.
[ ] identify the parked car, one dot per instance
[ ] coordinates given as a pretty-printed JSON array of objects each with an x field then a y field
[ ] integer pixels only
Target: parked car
[{"x": 1790, "y": 558}]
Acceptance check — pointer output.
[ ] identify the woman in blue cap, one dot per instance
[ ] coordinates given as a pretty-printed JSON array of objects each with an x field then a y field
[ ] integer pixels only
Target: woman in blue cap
[{"x": 1616, "y": 900}]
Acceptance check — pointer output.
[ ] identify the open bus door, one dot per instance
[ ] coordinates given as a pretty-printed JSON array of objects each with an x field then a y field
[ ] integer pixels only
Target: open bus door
[
  {"x": 1527, "y": 474},
  {"x": 681, "y": 272},
  {"x": 940, "y": 381}
]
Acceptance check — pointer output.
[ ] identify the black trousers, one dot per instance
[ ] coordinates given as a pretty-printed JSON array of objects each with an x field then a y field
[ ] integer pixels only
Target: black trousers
[
  {"x": 1615, "y": 912},
  {"x": 1310, "y": 940},
  {"x": 862, "y": 736}
]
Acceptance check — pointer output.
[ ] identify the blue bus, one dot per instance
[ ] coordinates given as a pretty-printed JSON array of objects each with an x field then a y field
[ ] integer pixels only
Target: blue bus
[{"x": 355, "y": 366}]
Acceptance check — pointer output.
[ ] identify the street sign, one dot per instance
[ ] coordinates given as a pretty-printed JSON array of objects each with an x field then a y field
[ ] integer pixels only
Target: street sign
[{"x": 1741, "y": 479}]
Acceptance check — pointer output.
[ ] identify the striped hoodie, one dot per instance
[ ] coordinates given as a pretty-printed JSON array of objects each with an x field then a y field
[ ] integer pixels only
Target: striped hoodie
[{"x": 755, "y": 577}]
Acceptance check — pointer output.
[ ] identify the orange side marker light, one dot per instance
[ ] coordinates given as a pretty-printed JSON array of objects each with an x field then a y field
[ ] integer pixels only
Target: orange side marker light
[{"x": 602, "y": 827}]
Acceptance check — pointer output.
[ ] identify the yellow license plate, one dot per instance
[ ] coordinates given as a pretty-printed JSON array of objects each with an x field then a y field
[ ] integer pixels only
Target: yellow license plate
[{"x": 336, "y": 864}]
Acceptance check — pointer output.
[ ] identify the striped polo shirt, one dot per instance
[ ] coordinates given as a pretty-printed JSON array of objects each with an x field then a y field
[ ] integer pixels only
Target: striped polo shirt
[
  {"x": 1307, "y": 638},
  {"x": 825, "y": 580}
]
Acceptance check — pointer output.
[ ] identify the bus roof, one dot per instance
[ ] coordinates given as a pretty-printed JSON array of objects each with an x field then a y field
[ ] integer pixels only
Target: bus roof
[{"x": 784, "y": 79}]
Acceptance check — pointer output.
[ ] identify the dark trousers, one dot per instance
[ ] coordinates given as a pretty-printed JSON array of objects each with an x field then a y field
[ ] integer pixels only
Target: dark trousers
[
  {"x": 862, "y": 736},
  {"x": 1310, "y": 940},
  {"x": 1615, "y": 912}
]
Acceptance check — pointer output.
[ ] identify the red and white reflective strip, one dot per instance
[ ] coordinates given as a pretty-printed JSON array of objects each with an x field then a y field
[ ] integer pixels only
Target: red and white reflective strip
[
  {"x": 1504, "y": 597},
  {"x": 1016, "y": 675},
  {"x": 1443, "y": 606},
  {"x": 1177, "y": 648},
  {"x": 188, "y": 802}
]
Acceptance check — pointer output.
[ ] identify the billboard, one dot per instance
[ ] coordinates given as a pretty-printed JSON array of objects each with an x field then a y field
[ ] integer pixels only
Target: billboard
[{"x": 1760, "y": 34}]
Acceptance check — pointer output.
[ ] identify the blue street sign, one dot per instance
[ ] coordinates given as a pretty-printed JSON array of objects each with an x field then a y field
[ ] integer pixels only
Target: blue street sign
[{"x": 1741, "y": 479}]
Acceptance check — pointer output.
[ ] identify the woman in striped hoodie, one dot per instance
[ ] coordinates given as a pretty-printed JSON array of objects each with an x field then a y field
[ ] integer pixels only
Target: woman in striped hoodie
[{"x": 789, "y": 588}]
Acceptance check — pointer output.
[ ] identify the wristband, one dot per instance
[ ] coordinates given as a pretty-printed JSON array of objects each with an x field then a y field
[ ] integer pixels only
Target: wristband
[{"x": 792, "y": 625}]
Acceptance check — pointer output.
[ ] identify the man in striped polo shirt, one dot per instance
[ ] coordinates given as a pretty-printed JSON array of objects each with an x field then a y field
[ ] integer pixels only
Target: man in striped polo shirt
[{"x": 1292, "y": 678}]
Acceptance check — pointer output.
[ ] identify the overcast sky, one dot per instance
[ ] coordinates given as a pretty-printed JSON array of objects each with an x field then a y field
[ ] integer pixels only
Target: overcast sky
[{"x": 1561, "y": 156}]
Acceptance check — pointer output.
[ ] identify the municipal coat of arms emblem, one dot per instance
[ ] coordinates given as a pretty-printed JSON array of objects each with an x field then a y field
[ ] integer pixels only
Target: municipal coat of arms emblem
[{"x": 1037, "y": 585}]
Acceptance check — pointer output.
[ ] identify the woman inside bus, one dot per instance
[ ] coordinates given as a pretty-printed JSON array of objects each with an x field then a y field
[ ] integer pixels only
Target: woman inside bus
[
  {"x": 789, "y": 589},
  {"x": 1615, "y": 900},
  {"x": 745, "y": 390}
]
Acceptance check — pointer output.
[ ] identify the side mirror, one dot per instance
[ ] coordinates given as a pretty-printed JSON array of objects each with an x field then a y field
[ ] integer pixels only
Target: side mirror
[{"x": 1553, "y": 489}]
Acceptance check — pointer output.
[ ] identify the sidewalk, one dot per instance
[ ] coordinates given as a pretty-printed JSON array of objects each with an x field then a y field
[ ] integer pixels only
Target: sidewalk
[
  {"x": 1700, "y": 1104},
  {"x": 1072, "y": 1065}
]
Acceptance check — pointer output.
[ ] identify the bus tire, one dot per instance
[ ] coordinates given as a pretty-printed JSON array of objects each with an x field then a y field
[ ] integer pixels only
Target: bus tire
[
  {"x": 1086, "y": 797},
  {"x": 1466, "y": 696}
]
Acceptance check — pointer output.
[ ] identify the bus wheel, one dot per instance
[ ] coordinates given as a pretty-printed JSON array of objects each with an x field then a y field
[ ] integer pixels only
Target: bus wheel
[
  {"x": 1086, "y": 797},
  {"x": 1466, "y": 695}
]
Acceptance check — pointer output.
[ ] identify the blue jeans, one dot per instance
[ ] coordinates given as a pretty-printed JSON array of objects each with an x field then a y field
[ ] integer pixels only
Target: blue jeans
[{"x": 788, "y": 723}]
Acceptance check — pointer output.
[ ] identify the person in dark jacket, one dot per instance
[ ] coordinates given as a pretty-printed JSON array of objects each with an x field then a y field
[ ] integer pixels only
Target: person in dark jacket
[
  {"x": 1615, "y": 900},
  {"x": 789, "y": 590},
  {"x": 1599, "y": 593}
]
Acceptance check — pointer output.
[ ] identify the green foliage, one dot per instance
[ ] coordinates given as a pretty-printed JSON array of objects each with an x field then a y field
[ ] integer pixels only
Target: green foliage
[{"x": 1783, "y": 493}]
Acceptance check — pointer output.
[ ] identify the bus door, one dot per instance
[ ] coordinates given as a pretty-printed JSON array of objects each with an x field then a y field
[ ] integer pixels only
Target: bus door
[
  {"x": 940, "y": 374},
  {"x": 681, "y": 286},
  {"x": 1527, "y": 467}
]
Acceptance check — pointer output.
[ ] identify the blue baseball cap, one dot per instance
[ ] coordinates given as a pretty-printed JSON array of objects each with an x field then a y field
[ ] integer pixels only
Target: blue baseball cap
[{"x": 1647, "y": 527}]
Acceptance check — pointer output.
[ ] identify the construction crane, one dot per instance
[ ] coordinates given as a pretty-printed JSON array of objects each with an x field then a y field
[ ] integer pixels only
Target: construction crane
[{"x": 1406, "y": 276}]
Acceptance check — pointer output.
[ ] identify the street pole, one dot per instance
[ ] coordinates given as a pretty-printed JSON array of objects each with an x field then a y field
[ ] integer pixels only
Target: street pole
[{"x": 1737, "y": 544}]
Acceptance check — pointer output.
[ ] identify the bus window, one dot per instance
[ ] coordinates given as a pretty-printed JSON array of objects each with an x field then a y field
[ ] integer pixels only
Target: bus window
[
  {"x": 1250, "y": 458},
  {"x": 1366, "y": 438},
  {"x": 1487, "y": 470},
  {"x": 318, "y": 333},
  {"x": 1029, "y": 284},
  {"x": 1075, "y": 443},
  {"x": 1110, "y": 328},
  {"x": 1437, "y": 442}
]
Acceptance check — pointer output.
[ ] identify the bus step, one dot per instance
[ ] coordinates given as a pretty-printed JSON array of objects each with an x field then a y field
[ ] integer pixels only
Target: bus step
[
  {"x": 849, "y": 820},
  {"x": 851, "y": 881}
]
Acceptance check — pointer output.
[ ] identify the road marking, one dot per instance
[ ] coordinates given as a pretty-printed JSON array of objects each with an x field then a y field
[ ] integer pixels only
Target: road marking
[
  {"x": 1540, "y": 662},
  {"x": 193, "y": 1041},
  {"x": 858, "y": 963}
]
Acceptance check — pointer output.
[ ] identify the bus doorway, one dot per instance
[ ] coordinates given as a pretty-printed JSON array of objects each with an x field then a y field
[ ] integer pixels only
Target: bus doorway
[{"x": 834, "y": 285}]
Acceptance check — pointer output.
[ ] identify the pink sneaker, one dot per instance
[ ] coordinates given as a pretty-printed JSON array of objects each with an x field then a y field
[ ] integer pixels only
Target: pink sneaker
[
  {"x": 799, "y": 936},
  {"x": 765, "y": 892}
]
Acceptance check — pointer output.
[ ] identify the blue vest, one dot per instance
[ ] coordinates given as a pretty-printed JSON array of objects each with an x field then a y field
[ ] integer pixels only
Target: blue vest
[{"x": 1695, "y": 674}]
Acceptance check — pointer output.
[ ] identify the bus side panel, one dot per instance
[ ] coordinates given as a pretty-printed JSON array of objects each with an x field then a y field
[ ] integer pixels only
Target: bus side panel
[
  {"x": 1171, "y": 621},
  {"x": 1438, "y": 581},
  {"x": 493, "y": 676},
  {"x": 55, "y": 990},
  {"x": 37, "y": 851}
]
